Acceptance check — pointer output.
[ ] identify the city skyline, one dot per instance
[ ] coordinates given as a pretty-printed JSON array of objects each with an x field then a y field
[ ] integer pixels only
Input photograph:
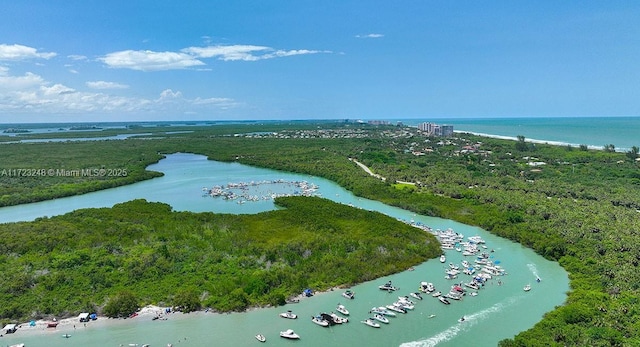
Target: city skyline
[{"x": 212, "y": 60}]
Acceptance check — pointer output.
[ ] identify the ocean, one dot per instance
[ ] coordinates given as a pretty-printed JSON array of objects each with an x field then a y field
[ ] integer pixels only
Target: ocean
[{"x": 595, "y": 132}]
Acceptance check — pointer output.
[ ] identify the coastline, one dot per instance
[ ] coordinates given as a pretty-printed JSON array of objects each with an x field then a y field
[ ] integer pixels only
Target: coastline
[
  {"x": 71, "y": 324},
  {"x": 542, "y": 142}
]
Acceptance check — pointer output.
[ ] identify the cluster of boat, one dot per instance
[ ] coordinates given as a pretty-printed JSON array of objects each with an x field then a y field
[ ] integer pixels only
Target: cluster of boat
[{"x": 249, "y": 191}]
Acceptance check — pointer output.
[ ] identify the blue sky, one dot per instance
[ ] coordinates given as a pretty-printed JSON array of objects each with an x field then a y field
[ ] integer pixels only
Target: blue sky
[{"x": 95, "y": 60}]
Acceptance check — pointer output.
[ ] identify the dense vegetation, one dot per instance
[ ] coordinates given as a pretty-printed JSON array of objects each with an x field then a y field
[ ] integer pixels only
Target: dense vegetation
[
  {"x": 573, "y": 205},
  {"x": 112, "y": 260}
]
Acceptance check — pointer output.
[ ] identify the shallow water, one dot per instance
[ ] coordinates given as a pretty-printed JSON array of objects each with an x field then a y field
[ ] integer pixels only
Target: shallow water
[{"x": 498, "y": 312}]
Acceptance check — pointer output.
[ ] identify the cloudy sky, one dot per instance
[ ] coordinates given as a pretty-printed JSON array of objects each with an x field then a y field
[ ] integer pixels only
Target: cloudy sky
[{"x": 94, "y": 60}]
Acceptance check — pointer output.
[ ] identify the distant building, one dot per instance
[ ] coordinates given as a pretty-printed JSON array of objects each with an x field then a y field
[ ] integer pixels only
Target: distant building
[{"x": 432, "y": 129}]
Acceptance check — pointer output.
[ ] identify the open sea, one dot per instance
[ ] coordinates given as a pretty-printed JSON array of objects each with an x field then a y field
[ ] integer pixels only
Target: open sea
[{"x": 595, "y": 132}]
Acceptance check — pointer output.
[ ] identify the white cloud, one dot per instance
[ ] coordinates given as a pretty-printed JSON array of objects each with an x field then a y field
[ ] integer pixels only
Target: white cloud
[
  {"x": 370, "y": 36},
  {"x": 226, "y": 53},
  {"x": 20, "y": 52},
  {"x": 106, "y": 85},
  {"x": 31, "y": 94},
  {"x": 245, "y": 52},
  {"x": 149, "y": 60},
  {"x": 77, "y": 57},
  {"x": 9, "y": 83}
]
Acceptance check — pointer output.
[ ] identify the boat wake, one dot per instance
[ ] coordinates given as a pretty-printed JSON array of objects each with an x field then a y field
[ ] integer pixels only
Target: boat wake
[
  {"x": 533, "y": 269},
  {"x": 469, "y": 321}
]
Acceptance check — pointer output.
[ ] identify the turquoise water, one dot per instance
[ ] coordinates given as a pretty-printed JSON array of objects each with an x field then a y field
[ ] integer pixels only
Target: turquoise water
[
  {"x": 596, "y": 132},
  {"x": 498, "y": 312}
]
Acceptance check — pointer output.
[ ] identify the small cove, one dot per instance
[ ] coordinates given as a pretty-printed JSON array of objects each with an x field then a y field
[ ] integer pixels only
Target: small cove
[{"x": 498, "y": 312}]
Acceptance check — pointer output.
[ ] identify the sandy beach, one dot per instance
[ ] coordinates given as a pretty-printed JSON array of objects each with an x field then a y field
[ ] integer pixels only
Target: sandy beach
[{"x": 69, "y": 325}]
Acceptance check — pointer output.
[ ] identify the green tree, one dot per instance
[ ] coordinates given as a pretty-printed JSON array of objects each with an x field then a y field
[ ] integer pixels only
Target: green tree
[
  {"x": 187, "y": 300},
  {"x": 609, "y": 148},
  {"x": 123, "y": 304},
  {"x": 633, "y": 153}
]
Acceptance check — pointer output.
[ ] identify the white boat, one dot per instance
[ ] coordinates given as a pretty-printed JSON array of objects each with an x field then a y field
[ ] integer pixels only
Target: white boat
[
  {"x": 403, "y": 304},
  {"x": 461, "y": 319},
  {"x": 416, "y": 295},
  {"x": 396, "y": 308},
  {"x": 349, "y": 294},
  {"x": 443, "y": 258},
  {"x": 527, "y": 288},
  {"x": 383, "y": 311},
  {"x": 388, "y": 287},
  {"x": 320, "y": 321},
  {"x": 261, "y": 338},
  {"x": 340, "y": 308},
  {"x": 381, "y": 318},
  {"x": 18, "y": 345},
  {"x": 436, "y": 294},
  {"x": 370, "y": 322},
  {"x": 426, "y": 287},
  {"x": 444, "y": 300},
  {"x": 337, "y": 319},
  {"x": 289, "y": 334},
  {"x": 288, "y": 315}
]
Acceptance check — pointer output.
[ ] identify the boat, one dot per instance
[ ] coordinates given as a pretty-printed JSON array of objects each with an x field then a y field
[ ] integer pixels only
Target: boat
[
  {"x": 444, "y": 300},
  {"x": 432, "y": 315},
  {"x": 340, "y": 308},
  {"x": 436, "y": 294},
  {"x": 289, "y": 334},
  {"x": 426, "y": 287},
  {"x": 320, "y": 321},
  {"x": 349, "y": 294},
  {"x": 527, "y": 288},
  {"x": 261, "y": 338},
  {"x": 66, "y": 336},
  {"x": 443, "y": 258},
  {"x": 18, "y": 345},
  {"x": 337, "y": 319},
  {"x": 403, "y": 304},
  {"x": 288, "y": 315},
  {"x": 461, "y": 319},
  {"x": 398, "y": 309},
  {"x": 370, "y": 322},
  {"x": 381, "y": 318},
  {"x": 388, "y": 287},
  {"x": 416, "y": 295},
  {"x": 52, "y": 324},
  {"x": 383, "y": 311}
]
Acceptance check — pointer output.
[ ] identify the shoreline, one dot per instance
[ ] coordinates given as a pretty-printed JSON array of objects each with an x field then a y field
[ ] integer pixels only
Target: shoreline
[{"x": 71, "y": 324}]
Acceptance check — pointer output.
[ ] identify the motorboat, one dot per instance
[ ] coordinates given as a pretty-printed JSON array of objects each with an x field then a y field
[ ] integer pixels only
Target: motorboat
[
  {"x": 462, "y": 319},
  {"x": 261, "y": 338},
  {"x": 381, "y": 318},
  {"x": 383, "y": 311},
  {"x": 66, "y": 336},
  {"x": 426, "y": 287},
  {"x": 340, "y": 308},
  {"x": 349, "y": 295},
  {"x": 405, "y": 299},
  {"x": 444, "y": 300},
  {"x": 388, "y": 287},
  {"x": 527, "y": 288},
  {"x": 443, "y": 258},
  {"x": 416, "y": 295},
  {"x": 288, "y": 315},
  {"x": 337, "y": 319},
  {"x": 436, "y": 294},
  {"x": 320, "y": 321},
  {"x": 370, "y": 322},
  {"x": 398, "y": 309},
  {"x": 289, "y": 334},
  {"x": 403, "y": 304}
]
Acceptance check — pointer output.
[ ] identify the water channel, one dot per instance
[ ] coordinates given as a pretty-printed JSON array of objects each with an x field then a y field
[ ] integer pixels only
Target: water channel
[{"x": 499, "y": 311}]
